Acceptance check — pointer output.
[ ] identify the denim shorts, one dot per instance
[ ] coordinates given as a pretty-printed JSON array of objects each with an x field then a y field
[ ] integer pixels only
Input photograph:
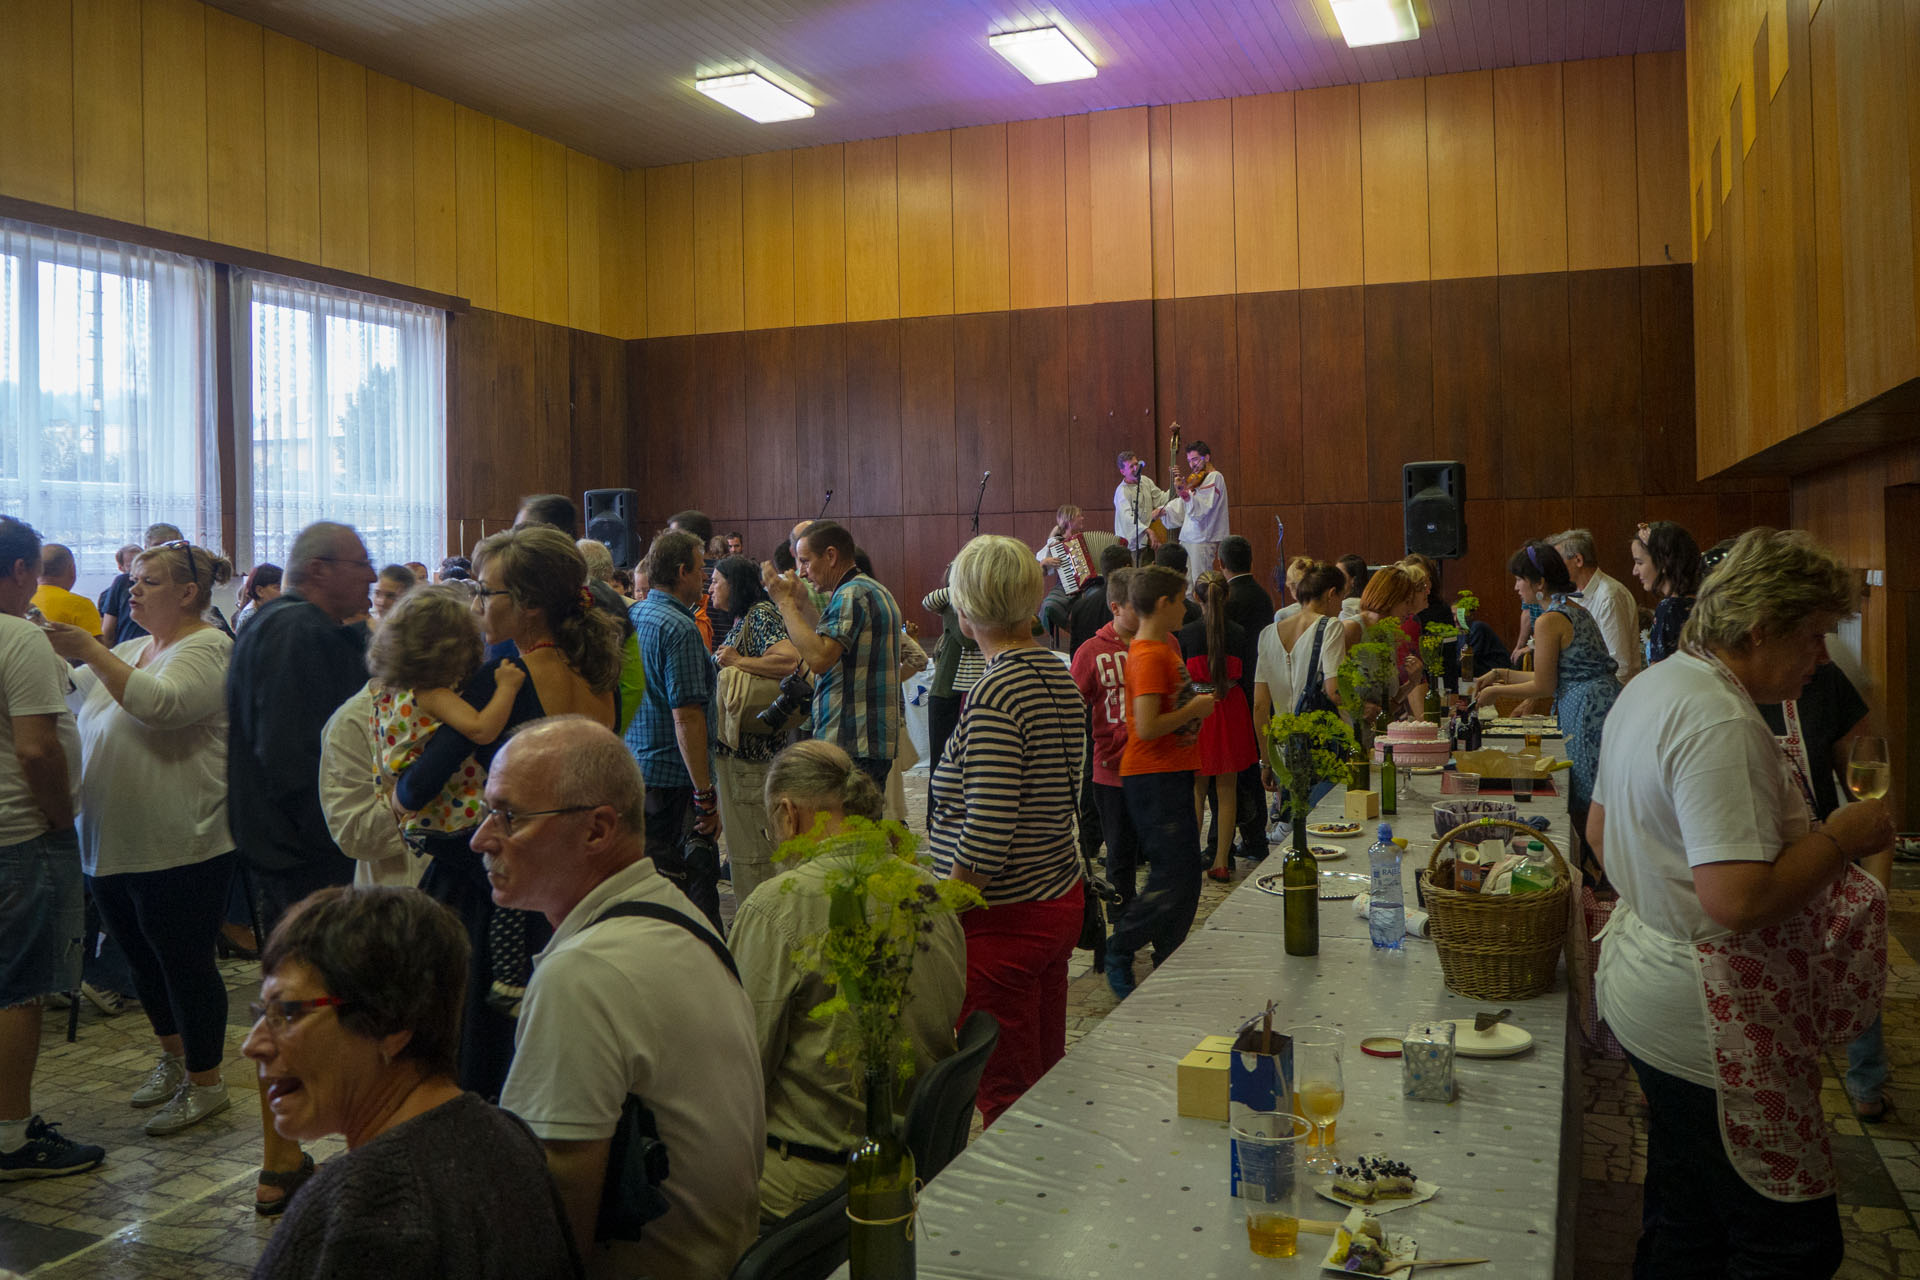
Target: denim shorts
[{"x": 42, "y": 917}]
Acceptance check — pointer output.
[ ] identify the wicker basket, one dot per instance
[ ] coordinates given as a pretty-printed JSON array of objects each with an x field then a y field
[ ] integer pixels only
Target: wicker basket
[{"x": 1497, "y": 946}]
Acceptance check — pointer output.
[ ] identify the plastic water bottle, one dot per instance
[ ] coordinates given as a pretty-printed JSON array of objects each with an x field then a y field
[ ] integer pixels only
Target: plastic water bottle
[{"x": 1386, "y": 902}]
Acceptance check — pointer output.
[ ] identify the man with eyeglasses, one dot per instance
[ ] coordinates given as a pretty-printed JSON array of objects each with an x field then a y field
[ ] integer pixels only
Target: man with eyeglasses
[
  {"x": 292, "y": 667},
  {"x": 634, "y": 995}
]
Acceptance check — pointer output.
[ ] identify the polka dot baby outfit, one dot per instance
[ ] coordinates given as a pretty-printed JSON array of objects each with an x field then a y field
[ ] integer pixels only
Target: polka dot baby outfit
[{"x": 401, "y": 730}]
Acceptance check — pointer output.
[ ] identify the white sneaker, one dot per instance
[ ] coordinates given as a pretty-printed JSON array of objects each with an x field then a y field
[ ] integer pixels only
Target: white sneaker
[
  {"x": 1279, "y": 831},
  {"x": 168, "y": 1074},
  {"x": 191, "y": 1104},
  {"x": 107, "y": 1002}
]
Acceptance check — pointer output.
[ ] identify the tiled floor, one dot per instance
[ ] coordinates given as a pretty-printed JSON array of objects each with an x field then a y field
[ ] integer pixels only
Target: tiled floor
[{"x": 182, "y": 1206}]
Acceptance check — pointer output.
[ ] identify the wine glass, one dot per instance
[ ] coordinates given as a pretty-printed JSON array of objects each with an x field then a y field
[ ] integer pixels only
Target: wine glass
[
  {"x": 1867, "y": 769},
  {"x": 1320, "y": 1087}
]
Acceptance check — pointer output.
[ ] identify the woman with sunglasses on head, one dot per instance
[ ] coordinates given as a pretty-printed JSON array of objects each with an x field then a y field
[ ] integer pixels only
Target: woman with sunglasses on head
[
  {"x": 356, "y": 1033},
  {"x": 154, "y": 842},
  {"x": 1668, "y": 564}
]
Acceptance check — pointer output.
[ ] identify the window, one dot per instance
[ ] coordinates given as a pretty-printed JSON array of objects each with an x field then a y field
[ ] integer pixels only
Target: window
[
  {"x": 107, "y": 416},
  {"x": 347, "y": 405}
]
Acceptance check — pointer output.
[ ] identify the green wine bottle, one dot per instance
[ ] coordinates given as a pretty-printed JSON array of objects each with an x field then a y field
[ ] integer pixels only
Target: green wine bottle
[
  {"x": 1300, "y": 882},
  {"x": 880, "y": 1190},
  {"x": 1389, "y": 784}
]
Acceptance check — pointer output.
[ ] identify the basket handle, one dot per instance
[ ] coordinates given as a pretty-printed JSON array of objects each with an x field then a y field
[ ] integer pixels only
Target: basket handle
[{"x": 1433, "y": 861}]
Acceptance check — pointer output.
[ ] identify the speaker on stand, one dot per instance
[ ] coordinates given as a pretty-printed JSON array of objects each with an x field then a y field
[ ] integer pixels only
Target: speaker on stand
[
  {"x": 1434, "y": 506},
  {"x": 610, "y": 515}
]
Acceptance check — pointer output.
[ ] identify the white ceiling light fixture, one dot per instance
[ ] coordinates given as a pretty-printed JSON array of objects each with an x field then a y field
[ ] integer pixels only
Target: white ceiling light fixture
[
  {"x": 1365, "y": 22},
  {"x": 754, "y": 96},
  {"x": 1044, "y": 55}
]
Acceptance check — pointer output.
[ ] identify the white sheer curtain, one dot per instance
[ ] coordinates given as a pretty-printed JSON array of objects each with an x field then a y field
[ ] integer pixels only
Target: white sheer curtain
[
  {"x": 107, "y": 411},
  {"x": 342, "y": 417}
]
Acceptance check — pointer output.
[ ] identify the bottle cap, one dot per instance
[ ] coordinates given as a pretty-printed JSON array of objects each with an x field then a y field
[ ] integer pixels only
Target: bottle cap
[
  {"x": 1533, "y": 845},
  {"x": 1386, "y": 832}
]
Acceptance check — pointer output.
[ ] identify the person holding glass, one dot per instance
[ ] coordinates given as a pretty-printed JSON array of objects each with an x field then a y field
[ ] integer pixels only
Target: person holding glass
[{"x": 1745, "y": 943}]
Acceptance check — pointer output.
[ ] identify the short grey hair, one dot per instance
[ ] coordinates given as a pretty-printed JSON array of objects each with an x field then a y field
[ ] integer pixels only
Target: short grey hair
[
  {"x": 599, "y": 559},
  {"x": 1576, "y": 542},
  {"x": 1771, "y": 581},
  {"x": 163, "y": 532},
  {"x": 820, "y": 775},
  {"x": 592, "y": 767},
  {"x": 996, "y": 582},
  {"x": 318, "y": 541}
]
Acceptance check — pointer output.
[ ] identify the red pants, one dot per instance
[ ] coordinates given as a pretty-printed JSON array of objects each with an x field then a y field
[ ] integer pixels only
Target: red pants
[{"x": 1017, "y": 957}]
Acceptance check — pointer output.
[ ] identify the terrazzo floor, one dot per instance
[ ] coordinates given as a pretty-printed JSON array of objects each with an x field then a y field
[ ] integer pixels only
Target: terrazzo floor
[{"x": 181, "y": 1207}]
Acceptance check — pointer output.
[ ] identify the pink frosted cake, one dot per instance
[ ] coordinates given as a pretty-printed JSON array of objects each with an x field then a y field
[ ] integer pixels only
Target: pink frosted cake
[{"x": 1416, "y": 744}]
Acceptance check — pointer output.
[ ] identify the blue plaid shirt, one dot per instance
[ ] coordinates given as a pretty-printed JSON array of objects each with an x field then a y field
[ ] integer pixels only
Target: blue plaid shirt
[
  {"x": 679, "y": 674},
  {"x": 852, "y": 699}
]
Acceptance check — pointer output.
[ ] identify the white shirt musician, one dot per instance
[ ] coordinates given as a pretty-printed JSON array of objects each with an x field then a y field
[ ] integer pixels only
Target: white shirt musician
[
  {"x": 1200, "y": 507},
  {"x": 1135, "y": 499}
]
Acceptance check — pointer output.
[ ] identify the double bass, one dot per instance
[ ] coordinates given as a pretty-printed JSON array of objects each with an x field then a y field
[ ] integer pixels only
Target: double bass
[{"x": 1158, "y": 535}]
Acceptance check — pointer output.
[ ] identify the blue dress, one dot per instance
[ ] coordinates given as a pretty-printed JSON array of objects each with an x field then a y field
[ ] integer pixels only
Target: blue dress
[{"x": 1587, "y": 688}]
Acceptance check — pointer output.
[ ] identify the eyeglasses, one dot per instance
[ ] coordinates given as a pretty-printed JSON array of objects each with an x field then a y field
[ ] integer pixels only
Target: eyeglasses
[
  {"x": 507, "y": 817},
  {"x": 486, "y": 593},
  {"x": 281, "y": 1014},
  {"x": 181, "y": 544},
  {"x": 362, "y": 562}
]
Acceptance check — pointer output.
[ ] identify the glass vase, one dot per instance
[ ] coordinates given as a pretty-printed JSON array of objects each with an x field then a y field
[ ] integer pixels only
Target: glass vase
[{"x": 881, "y": 1190}]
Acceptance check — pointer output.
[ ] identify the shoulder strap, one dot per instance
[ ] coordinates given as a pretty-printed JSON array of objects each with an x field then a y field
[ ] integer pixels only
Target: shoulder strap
[{"x": 654, "y": 911}]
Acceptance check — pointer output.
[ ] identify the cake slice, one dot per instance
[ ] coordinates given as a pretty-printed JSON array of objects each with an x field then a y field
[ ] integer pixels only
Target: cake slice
[
  {"x": 1353, "y": 1182},
  {"x": 1392, "y": 1179}
]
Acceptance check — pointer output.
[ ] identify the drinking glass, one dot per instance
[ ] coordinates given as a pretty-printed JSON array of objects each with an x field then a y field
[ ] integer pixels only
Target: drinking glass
[
  {"x": 1319, "y": 1086},
  {"x": 1264, "y": 1144},
  {"x": 1867, "y": 769}
]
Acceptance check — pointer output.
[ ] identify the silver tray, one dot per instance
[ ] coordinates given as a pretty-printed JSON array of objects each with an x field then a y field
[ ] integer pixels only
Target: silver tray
[{"x": 1335, "y": 886}]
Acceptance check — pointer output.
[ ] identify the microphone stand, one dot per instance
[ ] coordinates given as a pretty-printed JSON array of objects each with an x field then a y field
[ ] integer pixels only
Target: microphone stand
[
  {"x": 979, "y": 498},
  {"x": 1139, "y": 534},
  {"x": 825, "y": 505}
]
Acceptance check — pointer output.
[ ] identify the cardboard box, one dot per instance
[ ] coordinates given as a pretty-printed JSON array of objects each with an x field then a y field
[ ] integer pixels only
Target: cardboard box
[
  {"x": 1362, "y": 805},
  {"x": 1259, "y": 1078},
  {"x": 1202, "y": 1077}
]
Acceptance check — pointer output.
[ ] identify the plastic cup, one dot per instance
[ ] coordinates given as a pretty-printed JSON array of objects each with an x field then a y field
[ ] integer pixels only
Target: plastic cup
[
  {"x": 1458, "y": 782},
  {"x": 1522, "y": 790},
  {"x": 1265, "y": 1154}
]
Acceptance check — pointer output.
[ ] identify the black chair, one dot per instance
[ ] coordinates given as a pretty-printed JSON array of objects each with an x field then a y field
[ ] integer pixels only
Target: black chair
[
  {"x": 808, "y": 1244},
  {"x": 940, "y": 1113}
]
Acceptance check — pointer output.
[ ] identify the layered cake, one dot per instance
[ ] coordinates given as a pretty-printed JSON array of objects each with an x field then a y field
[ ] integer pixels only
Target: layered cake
[{"x": 1416, "y": 744}]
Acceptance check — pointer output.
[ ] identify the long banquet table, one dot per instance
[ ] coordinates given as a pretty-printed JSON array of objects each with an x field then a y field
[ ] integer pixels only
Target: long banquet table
[{"x": 1093, "y": 1173}]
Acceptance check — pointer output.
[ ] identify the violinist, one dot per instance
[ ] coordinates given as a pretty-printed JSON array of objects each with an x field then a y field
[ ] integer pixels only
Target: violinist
[{"x": 1200, "y": 508}]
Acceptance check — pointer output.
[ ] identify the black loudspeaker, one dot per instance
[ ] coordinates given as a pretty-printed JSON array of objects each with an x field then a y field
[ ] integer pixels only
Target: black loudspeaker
[
  {"x": 610, "y": 520},
  {"x": 1434, "y": 496}
]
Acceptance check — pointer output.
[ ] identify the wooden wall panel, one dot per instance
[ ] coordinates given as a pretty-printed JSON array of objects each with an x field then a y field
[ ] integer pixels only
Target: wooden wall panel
[
  {"x": 766, "y": 195},
  {"x": 773, "y": 459},
  {"x": 513, "y": 217},
  {"x": 980, "y": 249},
  {"x": 927, "y": 448},
  {"x": 820, "y": 416},
  {"x": 623, "y": 255},
  {"x": 549, "y": 256},
  {"x": 1079, "y": 206},
  {"x": 1160, "y": 196},
  {"x": 36, "y": 101},
  {"x": 1037, "y": 406},
  {"x": 1603, "y": 325},
  {"x": 1266, "y": 220},
  {"x": 343, "y": 164},
  {"x": 1466, "y": 380},
  {"x": 1534, "y": 371},
  {"x": 719, "y": 438},
  {"x": 1327, "y": 140},
  {"x": 1530, "y": 179},
  {"x": 819, "y": 235},
  {"x": 1399, "y": 383},
  {"x": 476, "y": 262},
  {"x": 236, "y": 132},
  {"x": 719, "y": 290},
  {"x": 1660, "y": 157},
  {"x": 173, "y": 69},
  {"x": 1333, "y": 441},
  {"x": 873, "y": 418},
  {"x": 672, "y": 399},
  {"x": 1393, "y": 180},
  {"x": 873, "y": 230},
  {"x": 1207, "y": 403},
  {"x": 583, "y": 242},
  {"x": 982, "y": 412},
  {"x": 1203, "y": 229},
  {"x": 1463, "y": 239},
  {"x": 598, "y": 393},
  {"x": 1267, "y": 333},
  {"x": 390, "y": 181},
  {"x": 926, "y": 224},
  {"x": 1666, "y": 432},
  {"x": 1037, "y": 213},
  {"x": 1121, "y": 237},
  {"x": 293, "y": 150},
  {"x": 1603, "y": 208},
  {"x": 108, "y": 159},
  {"x": 670, "y": 300},
  {"x": 1109, "y": 395}
]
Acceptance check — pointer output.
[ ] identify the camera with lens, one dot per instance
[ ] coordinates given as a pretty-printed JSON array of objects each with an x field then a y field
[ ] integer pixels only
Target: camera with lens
[{"x": 794, "y": 701}]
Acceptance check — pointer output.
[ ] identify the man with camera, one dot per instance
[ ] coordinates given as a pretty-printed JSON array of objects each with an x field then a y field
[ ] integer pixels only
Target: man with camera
[
  {"x": 671, "y": 735},
  {"x": 853, "y": 649}
]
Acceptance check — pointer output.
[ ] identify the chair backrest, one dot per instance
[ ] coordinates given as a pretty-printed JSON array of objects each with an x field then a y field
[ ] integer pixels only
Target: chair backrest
[
  {"x": 808, "y": 1244},
  {"x": 940, "y": 1113}
]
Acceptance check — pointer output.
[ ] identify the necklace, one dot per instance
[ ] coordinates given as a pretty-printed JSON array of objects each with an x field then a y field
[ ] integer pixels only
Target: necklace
[{"x": 536, "y": 646}]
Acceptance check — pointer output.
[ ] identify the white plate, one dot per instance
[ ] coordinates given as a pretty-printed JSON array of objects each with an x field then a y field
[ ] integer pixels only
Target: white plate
[
  {"x": 1423, "y": 1191},
  {"x": 1502, "y": 1040},
  {"x": 1335, "y": 886},
  {"x": 1326, "y": 853},
  {"x": 1322, "y": 829},
  {"x": 1400, "y": 1247}
]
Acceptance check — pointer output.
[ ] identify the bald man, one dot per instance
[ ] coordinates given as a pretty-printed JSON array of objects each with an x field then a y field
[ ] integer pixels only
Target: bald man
[{"x": 643, "y": 1003}]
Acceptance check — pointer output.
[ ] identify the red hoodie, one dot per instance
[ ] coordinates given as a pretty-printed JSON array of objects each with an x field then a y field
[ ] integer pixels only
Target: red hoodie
[{"x": 1100, "y": 669}]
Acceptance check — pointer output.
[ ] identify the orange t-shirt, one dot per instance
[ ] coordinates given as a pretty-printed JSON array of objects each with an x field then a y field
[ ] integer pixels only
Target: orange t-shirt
[{"x": 1154, "y": 667}]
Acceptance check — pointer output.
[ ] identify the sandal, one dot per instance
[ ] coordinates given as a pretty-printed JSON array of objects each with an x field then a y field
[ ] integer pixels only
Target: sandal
[
  {"x": 287, "y": 1180},
  {"x": 1221, "y": 874},
  {"x": 1874, "y": 1113}
]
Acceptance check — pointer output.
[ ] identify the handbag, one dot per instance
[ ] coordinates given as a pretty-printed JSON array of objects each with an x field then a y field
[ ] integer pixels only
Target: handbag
[
  {"x": 742, "y": 696},
  {"x": 1313, "y": 696}
]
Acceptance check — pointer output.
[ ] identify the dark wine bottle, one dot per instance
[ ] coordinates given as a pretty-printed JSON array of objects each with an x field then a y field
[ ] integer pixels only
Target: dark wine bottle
[
  {"x": 1300, "y": 881},
  {"x": 1389, "y": 784},
  {"x": 880, "y": 1190}
]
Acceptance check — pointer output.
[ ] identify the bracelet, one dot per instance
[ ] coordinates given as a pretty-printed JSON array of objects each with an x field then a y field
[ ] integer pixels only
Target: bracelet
[
  {"x": 706, "y": 801},
  {"x": 1835, "y": 843}
]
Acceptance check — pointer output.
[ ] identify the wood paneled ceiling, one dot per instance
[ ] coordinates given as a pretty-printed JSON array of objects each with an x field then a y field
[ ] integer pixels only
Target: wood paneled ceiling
[{"x": 614, "y": 78}]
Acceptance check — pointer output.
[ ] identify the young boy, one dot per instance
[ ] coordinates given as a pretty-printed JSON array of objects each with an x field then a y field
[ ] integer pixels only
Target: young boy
[
  {"x": 1156, "y": 776},
  {"x": 1100, "y": 669}
]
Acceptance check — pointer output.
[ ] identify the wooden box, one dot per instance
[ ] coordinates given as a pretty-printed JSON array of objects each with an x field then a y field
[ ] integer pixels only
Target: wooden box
[
  {"x": 1202, "y": 1079},
  {"x": 1362, "y": 805}
]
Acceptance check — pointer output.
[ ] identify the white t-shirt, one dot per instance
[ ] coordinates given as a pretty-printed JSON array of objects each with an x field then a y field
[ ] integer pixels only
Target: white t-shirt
[
  {"x": 153, "y": 791},
  {"x": 1202, "y": 514},
  {"x": 642, "y": 1006},
  {"x": 1618, "y": 617},
  {"x": 33, "y": 682},
  {"x": 1689, "y": 775},
  {"x": 1273, "y": 671}
]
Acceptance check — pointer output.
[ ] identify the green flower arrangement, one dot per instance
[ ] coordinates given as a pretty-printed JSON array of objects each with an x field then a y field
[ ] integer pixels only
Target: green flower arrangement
[
  {"x": 879, "y": 913},
  {"x": 1366, "y": 673},
  {"x": 1433, "y": 642},
  {"x": 1305, "y": 749},
  {"x": 1465, "y": 605}
]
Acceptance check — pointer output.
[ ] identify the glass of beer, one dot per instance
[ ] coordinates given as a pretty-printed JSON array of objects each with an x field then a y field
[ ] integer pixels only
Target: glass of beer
[
  {"x": 1867, "y": 769},
  {"x": 1319, "y": 1087},
  {"x": 1264, "y": 1153}
]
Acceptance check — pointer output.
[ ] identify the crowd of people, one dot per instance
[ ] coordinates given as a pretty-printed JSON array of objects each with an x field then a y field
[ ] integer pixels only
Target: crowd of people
[{"x": 475, "y": 821}]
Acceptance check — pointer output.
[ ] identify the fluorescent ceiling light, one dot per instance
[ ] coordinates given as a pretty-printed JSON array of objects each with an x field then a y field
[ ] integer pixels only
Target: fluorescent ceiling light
[
  {"x": 1365, "y": 22},
  {"x": 754, "y": 96},
  {"x": 1044, "y": 55}
]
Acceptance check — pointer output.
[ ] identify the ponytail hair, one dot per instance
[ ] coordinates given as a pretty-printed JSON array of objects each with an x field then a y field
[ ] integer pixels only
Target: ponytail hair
[
  {"x": 1212, "y": 590},
  {"x": 822, "y": 776}
]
